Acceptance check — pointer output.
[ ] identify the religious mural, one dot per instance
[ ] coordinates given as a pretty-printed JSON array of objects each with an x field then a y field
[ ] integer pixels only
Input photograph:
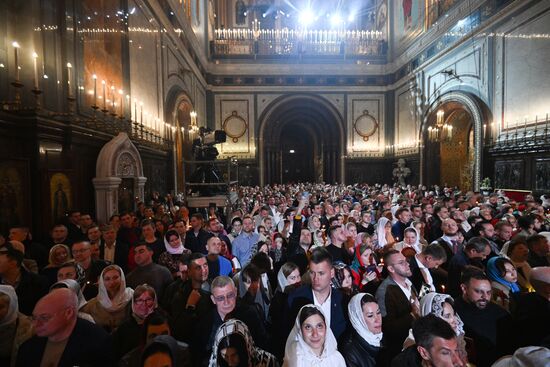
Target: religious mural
[
  {"x": 14, "y": 198},
  {"x": 61, "y": 197},
  {"x": 435, "y": 9},
  {"x": 409, "y": 19}
]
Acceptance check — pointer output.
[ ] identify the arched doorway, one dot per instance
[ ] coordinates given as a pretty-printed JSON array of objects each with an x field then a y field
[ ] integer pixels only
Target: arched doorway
[
  {"x": 455, "y": 161},
  {"x": 451, "y": 149},
  {"x": 312, "y": 128},
  {"x": 297, "y": 147}
]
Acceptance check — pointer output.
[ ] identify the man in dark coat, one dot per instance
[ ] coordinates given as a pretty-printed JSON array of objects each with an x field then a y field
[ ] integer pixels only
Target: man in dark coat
[
  {"x": 488, "y": 324},
  {"x": 320, "y": 293},
  {"x": 398, "y": 301},
  {"x": 62, "y": 339},
  {"x": 29, "y": 287}
]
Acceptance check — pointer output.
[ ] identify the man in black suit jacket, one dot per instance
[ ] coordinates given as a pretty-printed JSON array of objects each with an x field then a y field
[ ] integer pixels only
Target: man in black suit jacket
[
  {"x": 73, "y": 226},
  {"x": 70, "y": 341},
  {"x": 109, "y": 242},
  {"x": 319, "y": 293},
  {"x": 431, "y": 257},
  {"x": 196, "y": 237}
]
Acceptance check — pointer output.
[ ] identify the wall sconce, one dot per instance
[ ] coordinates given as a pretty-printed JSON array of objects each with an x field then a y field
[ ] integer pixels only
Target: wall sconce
[{"x": 194, "y": 126}]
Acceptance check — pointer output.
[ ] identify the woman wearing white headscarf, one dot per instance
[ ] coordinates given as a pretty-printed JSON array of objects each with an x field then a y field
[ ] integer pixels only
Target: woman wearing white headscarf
[
  {"x": 15, "y": 328},
  {"x": 288, "y": 279},
  {"x": 234, "y": 346},
  {"x": 410, "y": 240},
  {"x": 383, "y": 233},
  {"x": 113, "y": 301},
  {"x": 75, "y": 287},
  {"x": 442, "y": 306},
  {"x": 311, "y": 342},
  {"x": 361, "y": 344}
]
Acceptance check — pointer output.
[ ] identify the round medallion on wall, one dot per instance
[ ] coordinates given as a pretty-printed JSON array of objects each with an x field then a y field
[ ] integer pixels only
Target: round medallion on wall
[
  {"x": 235, "y": 126},
  {"x": 365, "y": 125}
]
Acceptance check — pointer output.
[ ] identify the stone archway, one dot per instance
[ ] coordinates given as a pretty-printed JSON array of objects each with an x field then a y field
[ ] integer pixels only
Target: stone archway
[
  {"x": 452, "y": 102},
  {"x": 322, "y": 127},
  {"x": 119, "y": 177}
]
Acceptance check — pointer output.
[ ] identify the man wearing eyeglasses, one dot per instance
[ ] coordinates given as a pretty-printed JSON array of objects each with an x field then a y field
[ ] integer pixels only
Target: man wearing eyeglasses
[
  {"x": 398, "y": 301},
  {"x": 224, "y": 298},
  {"x": 82, "y": 254},
  {"x": 61, "y": 338}
]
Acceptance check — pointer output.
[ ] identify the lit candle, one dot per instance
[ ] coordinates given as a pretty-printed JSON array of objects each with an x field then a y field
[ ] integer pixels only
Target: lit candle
[
  {"x": 113, "y": 98},
  {"x": 141, "y": 112},
  {"x": 35, "y": 69},
  {"x": 94, "y": 77},
  {"x": 121, "y": 92},
  {"x": 69, "y": 70},
  {"x": 104, "y": 95},
  {"x": 135, "y": 110},
  {"x": 16, "y": 54}
]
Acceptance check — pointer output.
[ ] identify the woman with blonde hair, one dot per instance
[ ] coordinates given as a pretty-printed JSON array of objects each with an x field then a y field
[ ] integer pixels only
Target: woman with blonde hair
[{"x": 113, "y": 301}]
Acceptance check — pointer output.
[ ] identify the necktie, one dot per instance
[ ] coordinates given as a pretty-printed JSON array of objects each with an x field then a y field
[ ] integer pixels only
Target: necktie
[{"x": 455, "y": 246}]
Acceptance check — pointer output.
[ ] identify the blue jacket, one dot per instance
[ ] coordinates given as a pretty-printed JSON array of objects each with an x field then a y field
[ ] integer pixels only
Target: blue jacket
[{"x": 304, "y": 295}]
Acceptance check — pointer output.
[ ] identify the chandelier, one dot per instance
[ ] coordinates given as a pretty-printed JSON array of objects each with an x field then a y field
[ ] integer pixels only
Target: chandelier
[
  {"x": 194, "y": 127},
  {"x": 440, "y": 132}
]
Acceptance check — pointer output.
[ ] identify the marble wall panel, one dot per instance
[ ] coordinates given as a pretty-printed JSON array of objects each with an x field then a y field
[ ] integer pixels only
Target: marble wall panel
[
  {"x": 407, "y": 122},
  {"x": 365, "y": 125},
  {"x": 235, "y": 115}
]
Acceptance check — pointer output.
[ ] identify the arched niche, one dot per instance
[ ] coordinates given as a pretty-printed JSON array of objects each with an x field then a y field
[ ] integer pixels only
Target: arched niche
[
  {"x": 119, "y": 177},
  {"x": 476, "y": 109}
]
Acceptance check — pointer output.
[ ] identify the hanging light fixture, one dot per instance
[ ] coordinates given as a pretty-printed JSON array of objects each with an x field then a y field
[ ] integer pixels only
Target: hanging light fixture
[
  {"x": 440, "y": 131},
  {"x": 194, "y": 127}
]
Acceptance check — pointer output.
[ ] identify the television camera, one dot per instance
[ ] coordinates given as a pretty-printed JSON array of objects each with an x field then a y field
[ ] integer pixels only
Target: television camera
[{"x": 205, "y": 151}]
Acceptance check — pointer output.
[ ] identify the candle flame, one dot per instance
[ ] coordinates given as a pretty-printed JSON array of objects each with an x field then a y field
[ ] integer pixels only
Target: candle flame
[
  {"x": 34, "y": 55},
  {"x": 94, "y": 76},
  {"x": 15, "y": 44},
  {"x": 103, "y": 82},
  {"x": 69, "y": 65}
]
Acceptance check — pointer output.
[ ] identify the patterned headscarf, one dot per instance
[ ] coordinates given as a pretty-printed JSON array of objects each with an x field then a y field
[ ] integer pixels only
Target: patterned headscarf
[
  {"x": 433, "y": 303},
  {"x": 256, "y": 356}
]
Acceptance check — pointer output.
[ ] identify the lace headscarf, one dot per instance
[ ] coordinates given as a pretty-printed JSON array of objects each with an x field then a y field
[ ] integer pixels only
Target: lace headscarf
[
  {"x": 75, "y": 287},
  {"x": 256, "y": 356},
  {"x": 357, "y": 320},
  {"x": 433, "y": 303},
  {"x": 123, "y": 296}
]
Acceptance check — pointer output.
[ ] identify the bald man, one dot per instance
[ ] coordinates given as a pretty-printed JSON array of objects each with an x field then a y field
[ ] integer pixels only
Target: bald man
[
  {"x": 61, "y": 338},
  {"x": 533, "y": 310}
]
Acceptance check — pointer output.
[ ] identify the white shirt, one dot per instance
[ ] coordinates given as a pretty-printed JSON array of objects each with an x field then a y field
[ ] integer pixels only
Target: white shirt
[
  {"x": 109, "y": 253},
  {"x": 325, "y": 307},
  {"x": 407, "y": 290},
  {"x": 425, "y": 274}
]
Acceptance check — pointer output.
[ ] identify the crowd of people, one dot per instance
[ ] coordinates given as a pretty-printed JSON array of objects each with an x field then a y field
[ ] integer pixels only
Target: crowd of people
[{"x": 292, "y": 275}]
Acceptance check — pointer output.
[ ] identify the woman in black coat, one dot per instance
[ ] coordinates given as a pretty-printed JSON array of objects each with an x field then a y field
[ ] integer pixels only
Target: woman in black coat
[{"x": 360, "y": 345}]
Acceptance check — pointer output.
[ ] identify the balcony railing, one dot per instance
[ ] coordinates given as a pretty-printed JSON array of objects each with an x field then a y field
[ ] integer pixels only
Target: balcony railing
[{"x": 275, "y": 43}]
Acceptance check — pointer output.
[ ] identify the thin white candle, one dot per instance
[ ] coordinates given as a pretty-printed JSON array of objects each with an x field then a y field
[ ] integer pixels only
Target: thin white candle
[
  {"x": 69, "y": 71},
  {"x": 16, "y": 54},
  {"x": 35, "y": 69},
  {"x": 104, "y": 95},
  {"x": 94, "y": 77}
]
